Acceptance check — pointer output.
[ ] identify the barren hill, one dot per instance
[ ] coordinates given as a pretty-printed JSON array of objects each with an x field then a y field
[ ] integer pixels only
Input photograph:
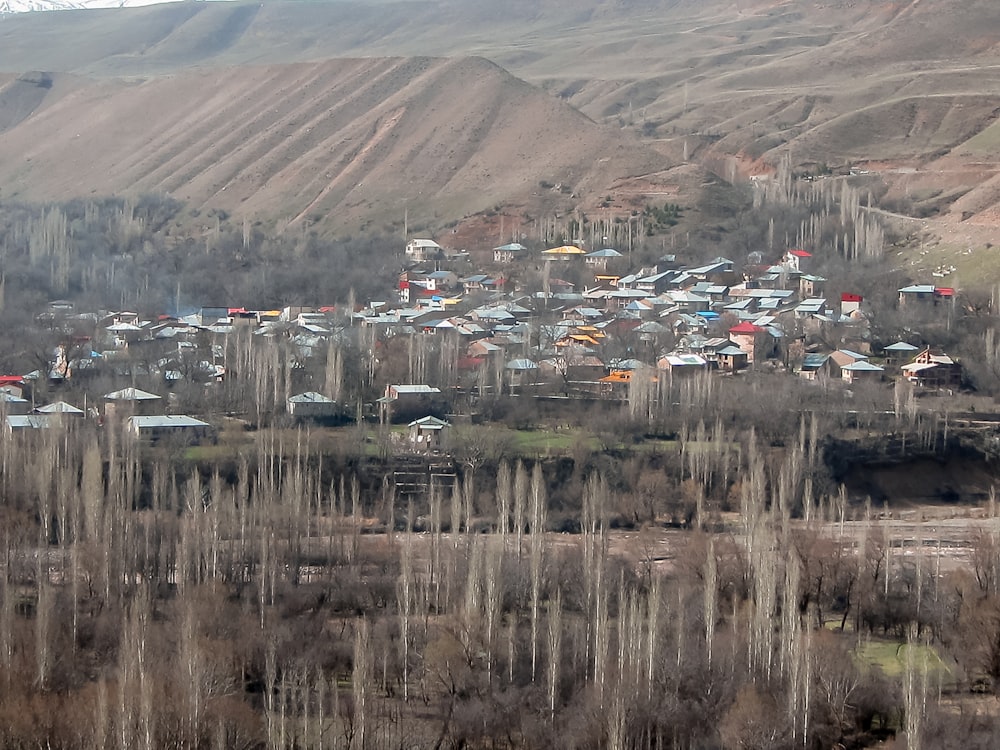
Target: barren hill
[
  {"x": 344, "y": 142},
  {"x": 909, "y": 89}
]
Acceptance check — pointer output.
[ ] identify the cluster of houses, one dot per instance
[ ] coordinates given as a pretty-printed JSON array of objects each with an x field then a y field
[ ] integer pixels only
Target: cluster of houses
[
  {"x": 139, "y": 411},
  {"x": 667, "y": 320},
  {"x": 674, "y": 318}
]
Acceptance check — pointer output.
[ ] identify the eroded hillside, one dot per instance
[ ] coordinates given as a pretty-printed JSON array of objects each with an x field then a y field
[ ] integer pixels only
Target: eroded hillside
[
  {"x": 345, "y": 142},
  {"x": 908, "y": 90}
]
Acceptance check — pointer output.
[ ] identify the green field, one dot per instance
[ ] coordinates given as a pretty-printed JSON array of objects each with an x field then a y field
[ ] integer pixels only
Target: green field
[{"x": 891, "y": 656}]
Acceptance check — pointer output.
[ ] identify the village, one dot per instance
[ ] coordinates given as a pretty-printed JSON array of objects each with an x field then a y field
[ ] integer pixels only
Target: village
[{"x": 556, "y": 323}]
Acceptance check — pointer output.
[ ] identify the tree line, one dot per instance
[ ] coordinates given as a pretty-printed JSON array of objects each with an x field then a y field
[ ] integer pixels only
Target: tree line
[{"x": 148, "y": 600}]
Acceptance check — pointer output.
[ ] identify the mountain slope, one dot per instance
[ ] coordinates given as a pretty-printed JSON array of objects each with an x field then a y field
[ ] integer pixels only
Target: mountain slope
[
  {"x": 343, "y": 142},
  {"x": 898, "y": 87}
]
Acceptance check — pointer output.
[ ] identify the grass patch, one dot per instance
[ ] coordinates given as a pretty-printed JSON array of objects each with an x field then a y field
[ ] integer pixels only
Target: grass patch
[
  {"x": 891, "y": 656},
  {"x": 549, "y": 441}
]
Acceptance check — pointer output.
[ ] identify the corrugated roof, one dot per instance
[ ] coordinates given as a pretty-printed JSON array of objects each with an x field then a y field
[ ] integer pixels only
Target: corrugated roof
[{"x": 178, "y": 421}]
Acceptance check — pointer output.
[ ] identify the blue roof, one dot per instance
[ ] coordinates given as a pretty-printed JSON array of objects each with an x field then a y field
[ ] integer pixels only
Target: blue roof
[{"x": 812, "y": 361}]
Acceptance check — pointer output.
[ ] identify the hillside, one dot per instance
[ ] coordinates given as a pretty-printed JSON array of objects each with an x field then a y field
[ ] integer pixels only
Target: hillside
[
  {"x": 346, "y": 142},
  {"x": 908, "y": 90}
]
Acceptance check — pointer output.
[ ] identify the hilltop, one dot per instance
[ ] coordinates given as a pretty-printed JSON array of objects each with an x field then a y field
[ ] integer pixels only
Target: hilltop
[{"x": 907, "y": 91}]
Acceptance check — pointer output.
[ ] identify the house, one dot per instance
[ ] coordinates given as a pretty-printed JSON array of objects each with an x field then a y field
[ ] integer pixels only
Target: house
[
  {"x": 312, "y": 405},
  {"x": 752, "y": 339},
  {"x": 616, "y": 383},
  {"x": 14, "y": 404},
  {"x": 807, "y": 308},
  {"x": 930, "y": 370},
  {"x": 414, "y": 285},
  {"x": 428, "y": 433},
  {"x": 925, "y": 294},
  {"x": 793, "y": 259},
  {"x": 850, "y": 304},
  {"x": 898, "y": 352},
  {"x": 840, "y": 359},
  {"x": 681, "y": 365},
  {"x": 60, "y": 408},
  {"x": 718, "y": 271},
  {"x": 732, "y": 359},
  {"x": 12, "y": 384},
  {"x": 476, "y": 283},
  {"x": 176, "y": 426},
  {"x": 25, "y": 422},
  {"x": 655, "y": 284},
  {"x": 439, "y": 281},
  {"x": 813, "y": 364},
  {"x": 564, "y": 253},
  {"x": 599, "y": 259},
  {"x": 508, "y": 253},
  {"x": 811, "y": 285},
  {"x": 521, "y": 372},
  {"x": 130, "y": 401},
  {"x": 689, "y": 302},
  {"x": 862, "y": 370},
  {"x": 420, "y": 250}
]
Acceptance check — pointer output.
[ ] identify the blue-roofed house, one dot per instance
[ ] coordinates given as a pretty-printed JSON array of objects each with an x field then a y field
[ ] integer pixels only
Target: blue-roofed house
[
  {"x": 600, "y": 259},
  {"x": 812, "y": 364},
  {"x": 509, "y": 253}
]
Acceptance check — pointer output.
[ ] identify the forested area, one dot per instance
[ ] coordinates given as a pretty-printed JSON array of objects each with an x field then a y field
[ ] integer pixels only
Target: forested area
[
  {"x": 153, "y": 254},
  {"x": 286, "y": 598}
]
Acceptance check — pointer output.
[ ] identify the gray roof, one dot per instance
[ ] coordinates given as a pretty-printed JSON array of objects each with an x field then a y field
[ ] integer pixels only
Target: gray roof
[
  {"x": 862, "y": 366},
  {"x": 178, "y": 421},
  {"x": 28, "y": 421},
  {"x": 59, "y": 407},
  {"x": 521, "y": 364},
  {"x": 731, "y": 351},
  {"x": 131, "y": 394},
  {"x": 814, "y": 361},
  {"x": 310, "y": 397},
  {"x": 415, "y": 389},
  {"x": 429, "y": 423}
]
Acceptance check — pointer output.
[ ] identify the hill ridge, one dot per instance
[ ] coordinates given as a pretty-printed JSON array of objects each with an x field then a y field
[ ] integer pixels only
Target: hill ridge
[{"x": 340, "y": 143}]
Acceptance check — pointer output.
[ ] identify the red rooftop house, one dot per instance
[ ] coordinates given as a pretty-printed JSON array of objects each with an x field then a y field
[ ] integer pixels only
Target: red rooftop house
[
  {"x": 12, "y": 384},
  {"x": 850, "y": 304},
  {"x": 793, "y": 259},
  {"x": 926, "y": 294},
  {"x": 751, "y": 339}
]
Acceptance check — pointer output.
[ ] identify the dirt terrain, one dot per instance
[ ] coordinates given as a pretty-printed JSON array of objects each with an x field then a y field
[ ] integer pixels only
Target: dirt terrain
[
  {"x": 346, "y": 142},
  {"x": 228, "y": 105}
]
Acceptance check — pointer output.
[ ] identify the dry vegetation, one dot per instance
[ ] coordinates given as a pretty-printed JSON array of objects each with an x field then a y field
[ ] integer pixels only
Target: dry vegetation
[
  {"x": 289, "y": 598},
  {"x": 699, "y": 569}
]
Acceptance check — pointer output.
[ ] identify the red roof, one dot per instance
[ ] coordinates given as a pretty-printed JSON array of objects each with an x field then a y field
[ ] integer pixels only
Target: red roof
[
  {"x": 944, "y": 291},
  {"x": 237, "y": 311},
  {"x": 470, "y": 363},
  {"x": 848, "y": 297},
  {"x": 746, "y": 327},
  {"x": 328, "y": 309},
  {"x": 10, "y": 379},
  {"x": 800, "y": 253}
]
